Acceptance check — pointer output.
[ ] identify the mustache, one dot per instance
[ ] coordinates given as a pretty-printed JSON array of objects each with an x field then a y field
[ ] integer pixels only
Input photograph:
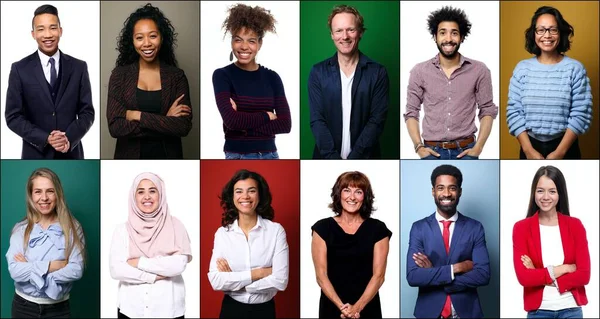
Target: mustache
[{"x": 451, "y": 42}]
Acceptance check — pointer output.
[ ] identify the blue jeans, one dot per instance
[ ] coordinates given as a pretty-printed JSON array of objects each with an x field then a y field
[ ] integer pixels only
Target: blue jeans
[
  {"x": 564, "y": 313},
  {"x": 258, "y": 155},
  {"x": 447, "y": 153}
]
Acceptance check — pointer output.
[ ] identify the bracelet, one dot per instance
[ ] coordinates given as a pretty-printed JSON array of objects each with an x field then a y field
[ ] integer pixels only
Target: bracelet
[{"x": 418, "y": 146}]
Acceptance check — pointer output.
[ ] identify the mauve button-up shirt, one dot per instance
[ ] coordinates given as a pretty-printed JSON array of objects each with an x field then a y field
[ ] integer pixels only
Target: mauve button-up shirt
[{"x": 449, "y": 103}]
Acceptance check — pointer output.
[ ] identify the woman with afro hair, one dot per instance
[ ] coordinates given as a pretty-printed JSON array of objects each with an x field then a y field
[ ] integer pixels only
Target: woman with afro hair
[
  {"x": 250, "y": 97},
  {"x": 148, "y": 108}
]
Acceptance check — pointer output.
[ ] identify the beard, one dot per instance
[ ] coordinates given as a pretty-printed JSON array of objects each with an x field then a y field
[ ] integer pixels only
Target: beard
[
  {"x": 451, "y": 55},
  {"x": 449, "y": 209}
]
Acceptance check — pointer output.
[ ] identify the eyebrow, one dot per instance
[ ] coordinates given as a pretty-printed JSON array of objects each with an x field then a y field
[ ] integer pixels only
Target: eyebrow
[
  {"x": 249, "y": 188},
  {"x": 41, "y": 25},
  {"x": 39, "y": 189},
  {"x": 446, "y": 29},
  {"x": 141, "y": 188}
]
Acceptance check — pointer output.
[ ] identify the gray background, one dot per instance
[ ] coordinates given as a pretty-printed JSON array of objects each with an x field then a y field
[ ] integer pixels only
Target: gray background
[{"x": 185, "y": 17}]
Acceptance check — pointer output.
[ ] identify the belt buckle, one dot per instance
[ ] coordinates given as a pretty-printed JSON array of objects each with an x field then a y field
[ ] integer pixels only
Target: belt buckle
[{"x": 448, "y": 142}]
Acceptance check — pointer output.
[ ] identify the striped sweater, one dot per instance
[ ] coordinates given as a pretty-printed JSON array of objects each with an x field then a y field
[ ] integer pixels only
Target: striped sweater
[
  {"x": 545, "y": 100},
  {"x": 249, "y": 129}
]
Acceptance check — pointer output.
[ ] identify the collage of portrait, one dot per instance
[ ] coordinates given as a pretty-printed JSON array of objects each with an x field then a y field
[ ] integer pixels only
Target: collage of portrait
[{"x": 300, "y": 159}]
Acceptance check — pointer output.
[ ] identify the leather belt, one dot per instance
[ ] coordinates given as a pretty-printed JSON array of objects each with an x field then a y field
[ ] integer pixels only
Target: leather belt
[{"x": 451, "y": 144}]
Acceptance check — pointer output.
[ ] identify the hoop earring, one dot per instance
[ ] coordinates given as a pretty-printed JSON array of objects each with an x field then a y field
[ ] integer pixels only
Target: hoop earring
[{"x": 231, "y": 56}]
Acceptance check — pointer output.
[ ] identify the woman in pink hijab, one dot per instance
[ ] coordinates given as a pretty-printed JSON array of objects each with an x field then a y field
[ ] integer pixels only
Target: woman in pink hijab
[{"x": 148, "y": 254}]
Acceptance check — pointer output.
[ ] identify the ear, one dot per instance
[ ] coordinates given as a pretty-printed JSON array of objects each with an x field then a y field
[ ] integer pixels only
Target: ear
[
  {"x": 259, "y": 44},
  {"x": 462, "y": 38},
  {"x": 32, "y": 34},
  {"x": 60, "y": 32}
]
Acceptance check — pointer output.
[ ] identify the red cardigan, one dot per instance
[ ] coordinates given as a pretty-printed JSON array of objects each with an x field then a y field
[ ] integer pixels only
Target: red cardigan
[{"x": 526, "y": 241}]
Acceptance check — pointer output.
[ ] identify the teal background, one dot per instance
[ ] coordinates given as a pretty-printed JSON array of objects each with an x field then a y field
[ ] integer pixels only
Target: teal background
[
  {"x": 380, "y": 42},
  {"x": 81, "y": 184}
]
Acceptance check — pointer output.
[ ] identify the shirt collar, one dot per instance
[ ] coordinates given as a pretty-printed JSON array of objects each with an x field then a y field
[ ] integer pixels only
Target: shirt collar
[
  {"x": 440, "y": 218},
  {"x": 235, "y": 226},
  {"x": 462, "y": 60},
  {"x": 44, "y": 58},
  {"x": 363, "y": 60}
]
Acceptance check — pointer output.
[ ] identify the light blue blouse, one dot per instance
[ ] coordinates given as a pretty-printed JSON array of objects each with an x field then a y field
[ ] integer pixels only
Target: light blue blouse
[{"x": 32, "y": 277}]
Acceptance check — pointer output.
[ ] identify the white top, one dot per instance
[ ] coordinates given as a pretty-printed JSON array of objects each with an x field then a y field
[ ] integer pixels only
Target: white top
[
  {"x": 553, "y": 255},
  {"x": 140, "y": 295},
  {"x": 346, "y": 110},
  {"x": 454, "y": 218},
  {"x": 45, "y": 61},
  {"x": 266, "y": 247}
]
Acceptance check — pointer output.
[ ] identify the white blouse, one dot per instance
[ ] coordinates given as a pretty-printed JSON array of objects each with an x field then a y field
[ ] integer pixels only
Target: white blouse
[
  {"x": 140, "y": 295},
  {"x": 266, "y": 247}
]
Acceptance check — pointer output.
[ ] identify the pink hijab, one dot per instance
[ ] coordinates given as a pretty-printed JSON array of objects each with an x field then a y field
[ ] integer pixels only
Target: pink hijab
[{"x": 158, "y": 233}]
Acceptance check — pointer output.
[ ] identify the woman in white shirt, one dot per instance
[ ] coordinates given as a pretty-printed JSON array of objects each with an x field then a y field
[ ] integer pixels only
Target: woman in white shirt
[
  {"x": 250, "y": 254},
  {"x": 148, "y": 254}
]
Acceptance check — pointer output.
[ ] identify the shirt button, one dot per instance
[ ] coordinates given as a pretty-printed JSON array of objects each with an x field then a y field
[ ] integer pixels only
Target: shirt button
[
  {"x": 448, "y": 113},
  {"x": 53, "y": 113},
  {"x": 449, "y": 98},
  {"x": 448, "y": 129},
  {"x": 449, "y": 82}
]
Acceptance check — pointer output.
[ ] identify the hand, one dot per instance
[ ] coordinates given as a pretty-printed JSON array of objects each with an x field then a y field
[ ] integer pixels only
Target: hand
[
  {"x": 532, "y": 154},
  {"x": 132, "y": 115},
  {"x": 475, "y": 151},
  {"x": 527, "y": 262},
  {"x": 350, "y": 311},
  {"x": 272, "y": 116},
  {"x": 422, "y": 260},
  {"x": 426, "y": 151},
  {"x": 57, "y": 140},
  {"x": 133, "y": 262},
  {"x": 564, "y": 269},
  {"x": 233, "y": 105},
  {"x": 260, "y": 273},
  {"x": 177, "y": 109},
  {"x": 556, "y": 154},
  {"x": 159, "y": 277},
  {"x": 20, "y": 258},
  {"x": 56, "y": 265},
  {"x": 462, "y": 267},
  {"x": 65, "y": 148},
  {"x": 223, "y": 265}
]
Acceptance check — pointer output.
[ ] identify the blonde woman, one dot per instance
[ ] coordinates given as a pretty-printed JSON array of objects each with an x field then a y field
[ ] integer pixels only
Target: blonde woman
[
  {"x": 47, "y": 251},
  {"x": 149, "y": 253}
]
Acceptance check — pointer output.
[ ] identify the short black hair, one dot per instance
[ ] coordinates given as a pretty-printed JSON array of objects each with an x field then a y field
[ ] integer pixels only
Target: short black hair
[
  {"x": 45, "y": 9},
  {"x": 447, "y": 170},
  {"x": 263, "y": 209},
  {"x": 565, "y": 31},
  {"x": 448, "y": 13}
]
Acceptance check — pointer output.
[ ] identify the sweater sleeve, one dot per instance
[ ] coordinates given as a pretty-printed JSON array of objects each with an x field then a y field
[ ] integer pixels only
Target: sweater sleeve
[
  {"x": 527, "y": 277},
  {"x": 580, "y": 114},
  {"x": 581, "y": 276},
  {"x": 283, "y": 123},
  {"x": 515, "y": 115}
]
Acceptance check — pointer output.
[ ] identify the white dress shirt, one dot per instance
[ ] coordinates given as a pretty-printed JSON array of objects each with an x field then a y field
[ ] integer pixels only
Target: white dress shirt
[
  {"x": 140, "y": 295},
  {"x": 266, "y": 247},
  {"x": 454, "y": 218},
  {"x": 346, "y": 111},
  {"x": 45, "y": 61}
]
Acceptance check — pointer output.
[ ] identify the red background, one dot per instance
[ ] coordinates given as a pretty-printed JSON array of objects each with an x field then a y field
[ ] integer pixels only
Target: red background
[{"x": 283, "y": 177}]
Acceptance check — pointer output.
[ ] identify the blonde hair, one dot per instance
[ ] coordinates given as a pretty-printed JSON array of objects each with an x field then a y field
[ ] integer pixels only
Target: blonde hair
[{"x": 70, "y": 226}]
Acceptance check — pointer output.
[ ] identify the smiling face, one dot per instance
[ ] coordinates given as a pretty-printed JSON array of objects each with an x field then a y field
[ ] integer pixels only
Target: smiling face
[
  {"x": 46, "y": 32},
  {"x": 448, "y": 38},
  {"x": 345, "y": 33},
  {"x": 245, "y": 196},
  {"x": 147, "y": 198},
  {"x": 352, "y": 199},
  {"x": 245, "y": 44},
  {"x": 446, "y": 194},
  {"x": 549, "y": 36},
  {"x": 43, "y": 195},
  {"x": 546, "y": 195},
  {"x": 147, "y": 39}
]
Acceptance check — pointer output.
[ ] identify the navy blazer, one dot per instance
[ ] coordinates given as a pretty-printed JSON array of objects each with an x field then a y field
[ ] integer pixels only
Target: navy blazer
[
  {"x": 467, "y": 243},
  {"x": 369, "y": 108},
  {"x": 31, "y": 113}
]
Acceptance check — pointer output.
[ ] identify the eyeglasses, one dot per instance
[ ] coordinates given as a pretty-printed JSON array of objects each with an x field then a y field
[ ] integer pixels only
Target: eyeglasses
[{"x": 542, "y": 31}]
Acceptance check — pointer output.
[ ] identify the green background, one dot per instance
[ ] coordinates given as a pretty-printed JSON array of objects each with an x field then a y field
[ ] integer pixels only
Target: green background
[
  {"x": 81, "y": 184},
  {"x": 381, "y": 42}
]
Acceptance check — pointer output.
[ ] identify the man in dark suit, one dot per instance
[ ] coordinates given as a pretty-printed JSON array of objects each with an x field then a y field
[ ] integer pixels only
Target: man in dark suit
[
  {"x": 447, "y": 255},
  {"x": 49, "y": 98},
  {"x": 348, "y": 94}
]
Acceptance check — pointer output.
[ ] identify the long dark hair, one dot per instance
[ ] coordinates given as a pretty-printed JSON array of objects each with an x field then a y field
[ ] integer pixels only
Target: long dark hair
[
  {"x": 557, "y": 177},
  {"x": 127, "y": 53},
  {"x": 263, "y": 209}
]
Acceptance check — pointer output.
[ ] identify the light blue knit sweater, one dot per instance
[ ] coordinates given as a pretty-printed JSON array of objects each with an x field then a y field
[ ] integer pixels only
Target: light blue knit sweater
[{"x": 546, "y": 99}]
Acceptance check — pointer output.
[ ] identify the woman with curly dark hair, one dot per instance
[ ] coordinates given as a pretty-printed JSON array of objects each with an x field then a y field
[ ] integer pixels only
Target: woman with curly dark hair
[
  {"x": 549, "y": 96},
  {"x": 250, "y": 97},
  {"x": 250, "y": 259},
  {"x": 350, "y": 245},
  {"x": 148, "y": 108}
]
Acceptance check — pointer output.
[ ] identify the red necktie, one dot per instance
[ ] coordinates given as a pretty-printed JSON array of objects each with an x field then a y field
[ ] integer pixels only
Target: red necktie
[{"x": 447, "y": 310}]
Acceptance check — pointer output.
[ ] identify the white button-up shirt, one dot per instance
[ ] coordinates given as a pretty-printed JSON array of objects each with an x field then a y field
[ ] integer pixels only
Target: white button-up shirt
[
  {"x": 140, "y": 294},
  {"x": 45, "y": 61},
  {"x": 266, "y": 246}
]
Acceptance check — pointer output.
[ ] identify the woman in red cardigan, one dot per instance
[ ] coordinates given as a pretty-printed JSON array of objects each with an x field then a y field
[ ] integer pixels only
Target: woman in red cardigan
[{"x": 550, "y": 251}]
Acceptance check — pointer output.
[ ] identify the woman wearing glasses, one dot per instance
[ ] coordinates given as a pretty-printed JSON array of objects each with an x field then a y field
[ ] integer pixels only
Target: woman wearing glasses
[{"x": 549, "y": 96}]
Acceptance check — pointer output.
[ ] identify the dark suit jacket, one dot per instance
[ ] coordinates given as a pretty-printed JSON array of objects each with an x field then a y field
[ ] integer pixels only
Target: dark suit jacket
[
  {"x": 467, "y": 243},
  {"x": 369, "y": 108},
  {"x": 31, "y": 113},
  {"x": 122, "y": 97}
]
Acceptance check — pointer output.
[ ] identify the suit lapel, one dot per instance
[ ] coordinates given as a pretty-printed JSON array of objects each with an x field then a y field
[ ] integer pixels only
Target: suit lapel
[
  {"x": 437, "y": 239},
  {"x": 337, "y": 103},
  {"x": 39, "y": 75},
  {"x": 457, "y": 233},
  {"x": 66, "y": 70}
]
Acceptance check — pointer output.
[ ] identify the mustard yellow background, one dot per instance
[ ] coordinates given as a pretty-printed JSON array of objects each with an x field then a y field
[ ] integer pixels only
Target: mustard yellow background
[{"x": 515, "y": 18}]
